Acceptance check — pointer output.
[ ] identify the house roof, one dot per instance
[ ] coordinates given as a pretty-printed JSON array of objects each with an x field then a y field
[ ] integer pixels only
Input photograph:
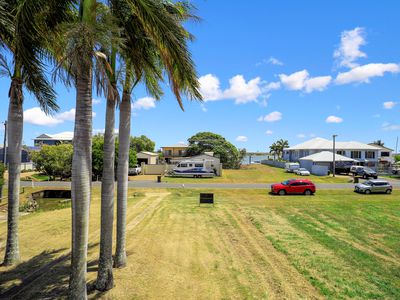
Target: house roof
[
  {"x": 324, "y": 144},
  {"x": 148, "y": 153},
  {"x": 381, "y": 147},
  {"x": 178, "y": 145},
  {"x": 326, "y": 156},
  {"x": 62, "y": 136}
]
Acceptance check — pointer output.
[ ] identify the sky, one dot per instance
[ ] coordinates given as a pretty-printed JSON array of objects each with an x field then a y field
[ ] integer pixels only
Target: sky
[{"x": 268, "y": 70}]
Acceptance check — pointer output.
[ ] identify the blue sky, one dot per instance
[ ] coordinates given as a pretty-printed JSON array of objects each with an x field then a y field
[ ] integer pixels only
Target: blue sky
[{"x": 271, "y": 70}]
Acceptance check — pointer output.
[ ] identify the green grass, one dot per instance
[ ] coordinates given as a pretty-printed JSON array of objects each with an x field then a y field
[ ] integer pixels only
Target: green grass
[
  {"x": 257, "y": 174},
  {"x": 40, "y": 177},
  {"x": 250, "y": 245}
]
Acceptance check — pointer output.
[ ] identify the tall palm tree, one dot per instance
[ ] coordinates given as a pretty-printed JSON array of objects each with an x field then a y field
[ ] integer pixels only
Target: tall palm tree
[
  {"x": 24, "y": 30},
  {"x": 281, "y": 145},
  {"x": 273, "y": 149},
  {"x": 155, "y": 40}
]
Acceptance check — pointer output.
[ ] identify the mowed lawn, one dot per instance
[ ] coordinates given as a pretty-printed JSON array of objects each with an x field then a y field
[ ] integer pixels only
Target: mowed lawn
[
  {"x": 250, "y": 245},
  {"x": 256, "y": 173}
]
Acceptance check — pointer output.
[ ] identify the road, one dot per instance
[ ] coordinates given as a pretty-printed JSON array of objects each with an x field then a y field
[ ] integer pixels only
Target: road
[{"x": 166, "y": 185}]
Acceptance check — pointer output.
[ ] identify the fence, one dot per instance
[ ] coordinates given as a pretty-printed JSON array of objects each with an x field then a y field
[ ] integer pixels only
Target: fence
[{"x": 274, "y": 163}]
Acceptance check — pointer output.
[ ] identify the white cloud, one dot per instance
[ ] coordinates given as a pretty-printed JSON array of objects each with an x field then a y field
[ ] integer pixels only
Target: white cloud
[
  {"x": 349, "y": 49},
  {"x": 269, "y": 132},
  {"x": 241, "y": 138},
  {"x": 272, "y": 60},
  {"x": 376, "y": 116},
  {"x": 203, "y": 107},
  {"x": 295, "y": 81},
  {"x": 317, "y": 83},
  {"x": 275, "y": 61},
  {"x": 209, "y": 87},
  {"x": 36, "y": 116},
  {"x": 67, "y": 115},
  {"x": 365, "y": 72},
  {"x": 243, "y": 91},
  {"x": 301, "y": 136},
  {"x": 333, "y": 119},
  {"x": 144, "y": 103},
  {"x": 389, "y": 104},
  {"x": 301, "y": 80},
  {"x": 96, "y": 101},
  {"x": 272, "y": 86},
  {"x": 271, "y": 117},
  {"x": 239, "y": 90},
  {"x": 390, "y": 127}
]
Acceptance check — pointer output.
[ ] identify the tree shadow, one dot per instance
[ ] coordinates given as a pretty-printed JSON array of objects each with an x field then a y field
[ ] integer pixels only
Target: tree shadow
[{"x": 44, "y": 276}]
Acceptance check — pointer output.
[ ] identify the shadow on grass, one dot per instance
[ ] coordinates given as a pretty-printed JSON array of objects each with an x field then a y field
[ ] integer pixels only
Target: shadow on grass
[{"x": 44, "y": 276}]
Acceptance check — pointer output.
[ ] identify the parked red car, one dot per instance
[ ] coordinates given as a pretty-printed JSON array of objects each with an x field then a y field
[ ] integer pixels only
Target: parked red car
[{"x": 293, "y": 186}]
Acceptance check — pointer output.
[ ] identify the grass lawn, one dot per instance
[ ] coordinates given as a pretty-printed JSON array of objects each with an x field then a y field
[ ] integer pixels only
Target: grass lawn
[
  {"x": 257, "y": 174},
  {"x": 251, "y": 245}
]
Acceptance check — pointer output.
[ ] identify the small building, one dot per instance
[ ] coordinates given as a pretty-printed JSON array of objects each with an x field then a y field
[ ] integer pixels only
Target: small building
[
  {"x": 148, "y": 158},
  {"x": 315, "y": 161},
  {"x": 53, "y": 139},
  {"x": 174, "y": 151}
]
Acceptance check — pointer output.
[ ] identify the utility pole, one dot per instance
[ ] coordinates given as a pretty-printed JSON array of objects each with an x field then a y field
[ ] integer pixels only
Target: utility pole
[
  {"x": 5, "y": 144},
  {"x": 334, "y": 154},
  {"x": 397, "y": 144}
]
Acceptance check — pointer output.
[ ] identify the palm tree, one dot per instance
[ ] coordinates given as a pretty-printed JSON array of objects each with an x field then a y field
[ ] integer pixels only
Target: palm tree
[
  {"x": 273, "y": 149},
  {"x": 24, "y": 30},
  {"x": 281, "y": 145},
  {"x": 155, "y": 39}
]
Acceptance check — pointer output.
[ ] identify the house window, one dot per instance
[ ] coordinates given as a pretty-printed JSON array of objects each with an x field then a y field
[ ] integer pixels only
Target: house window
[
  {"x": 356, "y": 154},
  {"x": 341, "y": 152},
  {"x": 168, "y": 152},
  {"x": 180, "y": 152},
  {"x": 385, "y": 154},
  {"x": 370, "y": 154}
]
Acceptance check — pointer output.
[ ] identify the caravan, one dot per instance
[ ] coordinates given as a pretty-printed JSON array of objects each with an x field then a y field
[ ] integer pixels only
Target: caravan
[{"x": 194, "y": 168}]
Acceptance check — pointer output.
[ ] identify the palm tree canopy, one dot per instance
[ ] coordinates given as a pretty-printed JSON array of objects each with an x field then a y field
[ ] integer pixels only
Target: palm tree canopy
[{"x": 24, "y": 30}]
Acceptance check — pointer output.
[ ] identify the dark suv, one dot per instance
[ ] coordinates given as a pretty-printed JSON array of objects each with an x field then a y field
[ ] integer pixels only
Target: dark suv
[{"x": 364, "y": 172}]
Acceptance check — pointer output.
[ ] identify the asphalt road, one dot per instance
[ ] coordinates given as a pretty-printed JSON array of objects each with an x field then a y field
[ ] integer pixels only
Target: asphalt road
[{"x": 165, "y": 185}]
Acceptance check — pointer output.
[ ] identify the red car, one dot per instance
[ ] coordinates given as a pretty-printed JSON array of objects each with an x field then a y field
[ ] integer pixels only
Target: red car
[{"x": 293, "y": 186}]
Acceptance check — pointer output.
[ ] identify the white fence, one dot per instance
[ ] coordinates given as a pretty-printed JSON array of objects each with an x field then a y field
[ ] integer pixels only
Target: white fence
[{"x": 274, "y": 163}]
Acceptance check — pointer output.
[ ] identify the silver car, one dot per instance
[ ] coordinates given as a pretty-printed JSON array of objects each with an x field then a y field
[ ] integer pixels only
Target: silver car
[{"x": 374, "y": 186}]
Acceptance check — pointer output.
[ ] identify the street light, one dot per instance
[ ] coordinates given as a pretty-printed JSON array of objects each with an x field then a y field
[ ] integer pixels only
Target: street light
[{"x": 334, "y": 161}]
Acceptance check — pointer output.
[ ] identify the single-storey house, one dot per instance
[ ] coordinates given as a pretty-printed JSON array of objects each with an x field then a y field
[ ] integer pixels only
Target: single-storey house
[
  {"x": 318, "y": 162},
  {"x": 149, "y": 158},
  {"x": 53, "y": 139},
  {"x": 365, "y": 154}
]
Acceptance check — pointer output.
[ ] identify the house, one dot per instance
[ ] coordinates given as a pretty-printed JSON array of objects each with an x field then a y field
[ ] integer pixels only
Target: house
[
  {"x": 149, "y": 158},
  {"x": 53, "y": 139},
  {"x": 385, "y": 154},
  {"x": 174, "y": 151},
  {"x": 323, "y": 162},
  {"x": 368, "y": 155}
]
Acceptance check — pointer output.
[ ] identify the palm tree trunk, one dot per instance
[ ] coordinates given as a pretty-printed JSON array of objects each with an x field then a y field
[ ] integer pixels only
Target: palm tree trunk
[
  {"x": 15, "y": 130},
  {"x": 105, "y": 280},
  {"x": 122, "y": 178},
  {"x": 81, "y": 184}
]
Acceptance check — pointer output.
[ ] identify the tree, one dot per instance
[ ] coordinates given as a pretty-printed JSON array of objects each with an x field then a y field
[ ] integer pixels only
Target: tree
[
  {"x": 228, "y": 154},
  {"x": 273, "y": 149},
  {"x": 24, "y": 30},
  {"x": 97, "y": 156},
  {"x": 397, "y": 158},
  {"x": 55, "y": 161},
  {"x": 142, "y": 143},
  {"x": 157, "y": 40},
  {"x": 280, "y": 145}
]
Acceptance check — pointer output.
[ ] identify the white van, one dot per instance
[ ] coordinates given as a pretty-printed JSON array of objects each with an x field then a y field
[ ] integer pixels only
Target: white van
[{"x": 290, "y": 167}]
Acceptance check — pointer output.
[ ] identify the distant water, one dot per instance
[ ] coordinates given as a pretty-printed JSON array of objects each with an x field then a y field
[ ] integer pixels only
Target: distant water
[{"x": 254, "y": 158}]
